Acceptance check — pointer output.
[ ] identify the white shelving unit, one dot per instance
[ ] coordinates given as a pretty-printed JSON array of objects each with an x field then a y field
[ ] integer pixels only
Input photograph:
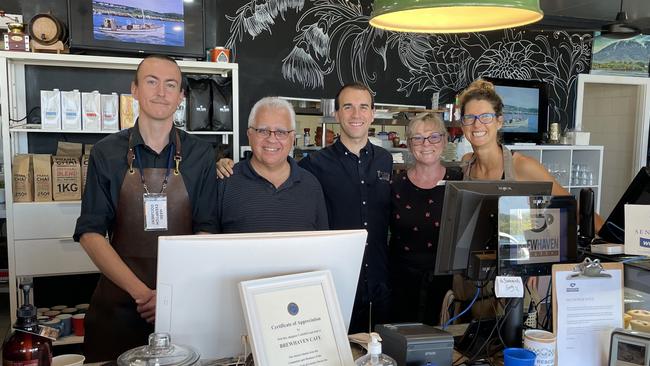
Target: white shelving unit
[
  {"x": 39, "y": 234},
  {"x": 312, "y": 117},
  {"x": 562, "y": 160}
]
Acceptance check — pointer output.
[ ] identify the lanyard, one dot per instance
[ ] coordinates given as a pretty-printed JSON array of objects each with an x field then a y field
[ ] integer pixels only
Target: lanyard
[{"x": 139, "y": 166}]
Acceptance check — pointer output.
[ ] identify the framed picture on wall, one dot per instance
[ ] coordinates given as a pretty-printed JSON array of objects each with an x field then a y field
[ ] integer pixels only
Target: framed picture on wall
[{"x": 621, "y": 56}]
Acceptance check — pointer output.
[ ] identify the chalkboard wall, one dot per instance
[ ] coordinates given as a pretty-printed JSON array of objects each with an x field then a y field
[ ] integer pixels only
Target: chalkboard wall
[{"x": 310, "y": 48}]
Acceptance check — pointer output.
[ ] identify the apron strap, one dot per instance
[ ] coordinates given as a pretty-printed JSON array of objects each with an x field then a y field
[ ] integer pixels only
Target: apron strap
[
  {"x": 177, "y": 154},
  {"x": 130, "y": 155}
]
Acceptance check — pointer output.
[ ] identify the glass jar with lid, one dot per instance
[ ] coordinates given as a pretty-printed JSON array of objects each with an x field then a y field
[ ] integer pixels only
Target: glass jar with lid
[{"x": 161, "y": 352}]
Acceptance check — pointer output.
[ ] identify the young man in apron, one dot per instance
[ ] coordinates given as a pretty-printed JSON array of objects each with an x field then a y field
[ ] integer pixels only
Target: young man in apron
[{"x": 147, "y": 181}]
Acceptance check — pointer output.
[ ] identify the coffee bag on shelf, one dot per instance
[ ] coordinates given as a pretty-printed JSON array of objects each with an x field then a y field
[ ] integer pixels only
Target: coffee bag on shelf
[
  {"x": 42, "y": 177},
  {"x": 23, "y": 178},
  {"x": 71, "y": 110},
  {"x": 91, "y": 119},
  {"x": 69, "y": 149},
  {"x": 51, "y": 109},
  {"x": 110, "y": 112},
  {"x": 199, "y": 99},
  {"x": 66, "y": 175},
  {"x": 129, "y": 111},
  {"x": 180, "y": 116}
]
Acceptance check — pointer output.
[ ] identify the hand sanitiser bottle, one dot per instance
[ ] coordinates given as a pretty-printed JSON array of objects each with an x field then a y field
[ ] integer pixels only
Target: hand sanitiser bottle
[{"x": 374, "y": 356}]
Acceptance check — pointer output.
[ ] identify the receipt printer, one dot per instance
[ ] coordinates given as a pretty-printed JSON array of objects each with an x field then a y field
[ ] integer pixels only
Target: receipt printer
[{"x": 416, "y": 344}]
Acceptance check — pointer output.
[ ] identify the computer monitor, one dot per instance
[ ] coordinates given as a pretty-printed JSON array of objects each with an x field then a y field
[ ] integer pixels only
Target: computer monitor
[
  {"x": 637, "y": 193},
  {"x": 198, "y": 299},
  {"x": 468, "y": 228},
  {"x": 536, "y": 232}
]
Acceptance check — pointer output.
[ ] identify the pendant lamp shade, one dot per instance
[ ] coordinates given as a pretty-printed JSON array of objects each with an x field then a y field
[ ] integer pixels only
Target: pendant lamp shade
[{"x": 453, "y": 16}]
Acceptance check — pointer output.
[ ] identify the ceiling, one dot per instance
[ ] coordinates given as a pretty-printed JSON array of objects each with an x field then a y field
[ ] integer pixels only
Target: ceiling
[{"x": 590, "y": 15}]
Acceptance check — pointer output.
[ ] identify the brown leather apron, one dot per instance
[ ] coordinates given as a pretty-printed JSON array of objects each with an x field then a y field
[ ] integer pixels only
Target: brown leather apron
[{"x": 113, "y": 324}]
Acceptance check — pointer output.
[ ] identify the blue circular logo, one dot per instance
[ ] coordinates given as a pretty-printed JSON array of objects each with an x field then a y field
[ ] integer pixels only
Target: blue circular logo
[{"x": 293, "y": 308}]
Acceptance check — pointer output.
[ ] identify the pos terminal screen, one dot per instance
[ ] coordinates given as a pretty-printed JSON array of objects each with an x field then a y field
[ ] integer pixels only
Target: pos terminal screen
[{"x": 536, "y": 232}]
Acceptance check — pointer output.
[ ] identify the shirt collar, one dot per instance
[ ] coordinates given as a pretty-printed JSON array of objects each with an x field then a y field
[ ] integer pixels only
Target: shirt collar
[
  {"x": 295, "y": 172},
  {"x": 368, "y": 150},
  {"x": 136, "y": 136}
]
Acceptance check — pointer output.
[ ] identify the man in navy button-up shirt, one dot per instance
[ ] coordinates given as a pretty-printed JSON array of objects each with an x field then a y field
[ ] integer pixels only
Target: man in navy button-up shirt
[{"x": 355, "y": 176}]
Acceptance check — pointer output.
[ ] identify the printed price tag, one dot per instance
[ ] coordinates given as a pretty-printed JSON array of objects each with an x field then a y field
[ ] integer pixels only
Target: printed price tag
[{"x": 155, "y": 211}]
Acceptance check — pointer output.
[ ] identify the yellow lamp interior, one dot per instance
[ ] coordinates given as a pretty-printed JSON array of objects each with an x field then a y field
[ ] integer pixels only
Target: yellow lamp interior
[{"x": 457, "y": 19}]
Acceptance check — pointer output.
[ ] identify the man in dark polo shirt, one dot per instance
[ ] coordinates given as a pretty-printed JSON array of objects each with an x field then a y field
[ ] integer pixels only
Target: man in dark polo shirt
[
  {"x": 355, "y": 176},
  {"x": 269, "y": 192}
]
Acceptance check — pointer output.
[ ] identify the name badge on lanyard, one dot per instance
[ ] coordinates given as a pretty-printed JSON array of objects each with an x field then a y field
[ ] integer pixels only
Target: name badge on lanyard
[
  {"x": 155, "y": 211},
  {"x": 154, "y": 204}
]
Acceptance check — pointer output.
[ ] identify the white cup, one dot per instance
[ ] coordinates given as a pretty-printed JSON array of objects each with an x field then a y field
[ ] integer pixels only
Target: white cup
[
  {"x": 543, "y": 344},
  {"x": 68, "y": 360}
]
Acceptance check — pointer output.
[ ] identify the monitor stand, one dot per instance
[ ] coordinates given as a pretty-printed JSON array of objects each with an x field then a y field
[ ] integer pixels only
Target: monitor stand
[{"x": 513, "y": 323}]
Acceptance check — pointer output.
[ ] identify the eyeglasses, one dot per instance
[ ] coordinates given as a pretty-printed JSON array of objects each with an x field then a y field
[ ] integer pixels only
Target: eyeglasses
[
  {"x": 265, "y": 132},
  {"x": 434, "y": 138},
  {"x": 484, "y": 118}
]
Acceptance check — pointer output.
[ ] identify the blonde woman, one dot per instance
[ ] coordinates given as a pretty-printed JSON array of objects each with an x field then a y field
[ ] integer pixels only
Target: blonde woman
[{"x": 416, "y": 205}]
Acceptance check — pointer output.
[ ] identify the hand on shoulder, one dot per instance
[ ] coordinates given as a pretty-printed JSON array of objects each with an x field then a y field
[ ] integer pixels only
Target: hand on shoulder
[{"x": 224, "y": 168}]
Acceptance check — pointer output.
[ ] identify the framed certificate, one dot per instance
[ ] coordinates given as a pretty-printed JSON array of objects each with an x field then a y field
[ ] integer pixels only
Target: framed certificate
[{"x": 295, "y": 320}]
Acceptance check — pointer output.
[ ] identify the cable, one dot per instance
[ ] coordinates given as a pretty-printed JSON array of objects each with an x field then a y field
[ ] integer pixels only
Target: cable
[
  {"x": 531, "y": 312},
  {"x": 548, "y": 315},
  {"x": 447, "y": 303},
  {"x": 475, "y": 338},
  {"x": 505, "y": 316},
  {"x": 27, "y": 116},
  {"x": 616, "y": 231},
  {"x": 478, "y": 291},
  {"x": 486, "y": 342}
]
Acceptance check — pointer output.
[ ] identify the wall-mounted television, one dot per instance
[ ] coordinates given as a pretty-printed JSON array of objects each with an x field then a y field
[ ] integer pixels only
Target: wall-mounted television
[
  {"x": 171, "y": 27},
  {"x": 525, "y": 109}
]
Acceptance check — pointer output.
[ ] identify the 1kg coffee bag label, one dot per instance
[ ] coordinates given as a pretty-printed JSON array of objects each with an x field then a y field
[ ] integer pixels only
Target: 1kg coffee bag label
[{"x": 66, "y": 173}]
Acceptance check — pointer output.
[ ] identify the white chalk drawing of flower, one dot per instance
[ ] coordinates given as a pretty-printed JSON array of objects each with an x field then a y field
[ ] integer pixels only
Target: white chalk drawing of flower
[
  {"x": 301, "y": 68},
  {"x": 257, "y": 17}
]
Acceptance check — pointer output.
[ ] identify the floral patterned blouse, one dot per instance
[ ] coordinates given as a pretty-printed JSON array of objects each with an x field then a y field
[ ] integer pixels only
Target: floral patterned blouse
[{"x": 415, "y": 220}]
